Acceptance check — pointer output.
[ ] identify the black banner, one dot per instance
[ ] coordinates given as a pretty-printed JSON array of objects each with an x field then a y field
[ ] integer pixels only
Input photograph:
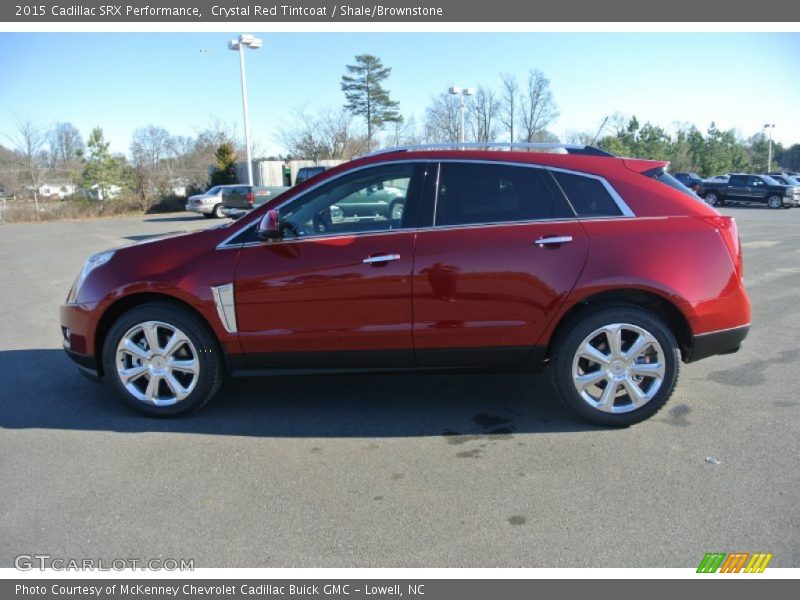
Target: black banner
[
  {"x": 221, "y": 11},
  {"x": 732, "y": 587}
]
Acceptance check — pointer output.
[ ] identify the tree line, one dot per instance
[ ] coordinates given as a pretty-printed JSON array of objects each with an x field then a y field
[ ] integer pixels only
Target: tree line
[{"x": 514, "y": 109}]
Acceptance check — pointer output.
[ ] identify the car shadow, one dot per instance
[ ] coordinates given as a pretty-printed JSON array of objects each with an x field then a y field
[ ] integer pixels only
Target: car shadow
[{"x": 42, "y": 389}]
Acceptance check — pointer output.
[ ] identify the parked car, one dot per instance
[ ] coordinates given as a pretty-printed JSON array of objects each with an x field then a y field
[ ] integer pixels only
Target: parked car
[
  {"x": 209, "y": 203},
  {"x": 306, "y": 173},
  {"x": 716, "y": 178},
  {"x": 750, "y": 188},
  {"x": 693, "y": 181},
  {"x": 606, "y": 270},
  {"x": 247, "y": 197},
  {"x": 785, "y": 178}
]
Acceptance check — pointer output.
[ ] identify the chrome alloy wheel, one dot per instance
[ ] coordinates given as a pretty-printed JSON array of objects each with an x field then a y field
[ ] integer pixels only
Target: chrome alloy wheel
[
  {"x": 618, "y": 368},
  {"x": 157, "y": 363}
]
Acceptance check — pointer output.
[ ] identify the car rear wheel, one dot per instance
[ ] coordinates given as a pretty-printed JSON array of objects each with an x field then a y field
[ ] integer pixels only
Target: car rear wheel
[
  {"x": 218, "y": 211},
  {"x": 616, "y": 366},
  {"x": 162, "y": 359},
  {"x": 712, "y": 199}
]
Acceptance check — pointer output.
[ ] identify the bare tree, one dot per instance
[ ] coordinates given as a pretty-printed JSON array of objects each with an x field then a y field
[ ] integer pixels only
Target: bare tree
[
  {"x": 151, "y": 150},
  {"x": 583, "y": 138},
  {"x": 538, "y": 108},
  {"x": 484, "y": 110},
  {"x": 29, "y": 142},
  {"x": 509, "y": 104},
  {"x": 443, "y": 119},
  {"x": 66, "y": 146},
  {"x": 328, "y": 134},
  {"x": 404, "y": 133}
]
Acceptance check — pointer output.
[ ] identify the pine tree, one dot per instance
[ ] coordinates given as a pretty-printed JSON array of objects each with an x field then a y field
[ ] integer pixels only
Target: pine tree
[{"x": 366, "y": 96}]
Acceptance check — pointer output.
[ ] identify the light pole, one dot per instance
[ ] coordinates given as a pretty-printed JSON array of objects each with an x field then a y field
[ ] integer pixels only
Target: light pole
[
  {"x": 239, "y": 44},
  {"x": 769, "y": 126},
  {"x": 461, "y": 92}
]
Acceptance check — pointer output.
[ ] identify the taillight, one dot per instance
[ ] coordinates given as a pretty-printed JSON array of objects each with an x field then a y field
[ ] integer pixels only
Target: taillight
[
  {"x": 730, "y": 234},
  {"x": 250, "y": 197}
]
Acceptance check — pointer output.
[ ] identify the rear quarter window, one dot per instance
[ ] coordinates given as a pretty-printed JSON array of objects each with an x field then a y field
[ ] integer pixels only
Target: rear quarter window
[{"x": 588, "y": 196}]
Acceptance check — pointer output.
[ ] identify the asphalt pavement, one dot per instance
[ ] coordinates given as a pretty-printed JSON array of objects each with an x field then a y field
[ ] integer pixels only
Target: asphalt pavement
[{"x": 458, "y": 470}]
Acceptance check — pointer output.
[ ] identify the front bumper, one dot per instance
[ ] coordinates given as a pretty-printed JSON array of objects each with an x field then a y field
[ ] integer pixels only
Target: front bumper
[
  {"x": 725, "y": 341},
  {"x": 205, "y": 209},
  {"x": 77, "y": 336}
]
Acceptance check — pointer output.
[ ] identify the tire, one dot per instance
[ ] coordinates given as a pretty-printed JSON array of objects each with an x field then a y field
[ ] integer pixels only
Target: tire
[
  {"x": 775, "y": 202},
  {"x": 218, "y": 211},
  {"x": 658, "y": 365},
  {"x": 712, "y": 199},
  {"x": 192, "y": 384}
]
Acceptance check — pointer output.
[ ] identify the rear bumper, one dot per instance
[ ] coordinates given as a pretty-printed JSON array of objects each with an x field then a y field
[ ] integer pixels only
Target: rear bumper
[{"x": 725, "y": 341}]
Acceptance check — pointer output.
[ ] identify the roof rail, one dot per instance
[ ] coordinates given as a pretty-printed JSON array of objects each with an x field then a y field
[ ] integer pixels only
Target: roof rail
[{"x": 569, "y": 148}]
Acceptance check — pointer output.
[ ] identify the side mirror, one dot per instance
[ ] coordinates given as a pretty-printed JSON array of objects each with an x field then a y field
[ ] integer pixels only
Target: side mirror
[{"x": 269, "y": 228}]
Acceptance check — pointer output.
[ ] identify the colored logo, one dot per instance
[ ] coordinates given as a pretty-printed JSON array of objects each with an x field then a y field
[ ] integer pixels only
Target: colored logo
[{"x": 736, "y": 562}]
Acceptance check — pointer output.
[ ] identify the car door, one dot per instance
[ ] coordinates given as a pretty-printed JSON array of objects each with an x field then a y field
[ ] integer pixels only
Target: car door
[
  {"x": 758, "y": 189},
  {"x": 738, "y": 188},
  {"x": 333, "y": 292},
  {"x": 503, "y": 252}
]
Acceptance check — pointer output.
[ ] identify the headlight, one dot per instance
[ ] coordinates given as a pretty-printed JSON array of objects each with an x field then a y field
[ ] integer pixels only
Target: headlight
[{"x": 98, "y": 260}]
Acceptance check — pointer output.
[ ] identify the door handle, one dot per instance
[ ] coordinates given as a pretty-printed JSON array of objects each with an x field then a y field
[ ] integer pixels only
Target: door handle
[
  {"x": 380, "y": 258},
  {"x": 553, "y": 240}
]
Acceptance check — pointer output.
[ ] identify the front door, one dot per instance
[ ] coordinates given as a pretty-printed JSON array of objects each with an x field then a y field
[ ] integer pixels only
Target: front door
[{"x": 336, "y": 291}]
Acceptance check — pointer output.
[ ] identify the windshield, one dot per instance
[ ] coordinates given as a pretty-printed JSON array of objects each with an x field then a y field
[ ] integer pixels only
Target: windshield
[
  {"x": 770, "y": 180},
  {"x": 213, "y": 191}
]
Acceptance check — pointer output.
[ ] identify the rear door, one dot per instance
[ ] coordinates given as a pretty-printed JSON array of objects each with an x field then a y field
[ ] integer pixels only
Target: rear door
[{"x": 502, "y": 252}]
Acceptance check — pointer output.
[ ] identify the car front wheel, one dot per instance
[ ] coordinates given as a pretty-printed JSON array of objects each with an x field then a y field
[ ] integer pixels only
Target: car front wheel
[
  {"x": 712, "y": 199},
  {"x": 616, "y": 366},
  {"x": 162, "y": 359}
]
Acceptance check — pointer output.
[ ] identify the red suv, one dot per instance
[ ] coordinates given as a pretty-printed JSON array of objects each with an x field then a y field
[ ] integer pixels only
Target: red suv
[{"x": 606, "y": 269}]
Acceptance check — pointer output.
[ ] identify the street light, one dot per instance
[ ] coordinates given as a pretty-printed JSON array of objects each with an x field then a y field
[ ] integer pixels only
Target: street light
[
  {"x": 769, "y": 152},
  {"x": 239, "y": 44},
  {"x": 459, "y": 91}
]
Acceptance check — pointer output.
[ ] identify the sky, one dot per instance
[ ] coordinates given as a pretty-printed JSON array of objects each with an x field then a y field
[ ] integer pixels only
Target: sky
[{"x": 184, "y": 81}]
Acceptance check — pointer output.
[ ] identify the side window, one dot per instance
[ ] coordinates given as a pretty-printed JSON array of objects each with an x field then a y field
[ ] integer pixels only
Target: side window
[
  {"x": 588, "y": 196},
  {"x": 756, "y": 182},
  {"x": 372, "y": 199},
  {"x": 737, "y": 181},
  {"x": 471, "y": 193}
]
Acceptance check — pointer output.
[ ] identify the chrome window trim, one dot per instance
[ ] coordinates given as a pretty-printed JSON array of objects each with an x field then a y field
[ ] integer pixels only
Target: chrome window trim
[
  {"x": 626, "y": 211},
  {"x": 223, "y": 245},
  {"x": 621, "y": 204},
  {"x": 225, "y": 302}
]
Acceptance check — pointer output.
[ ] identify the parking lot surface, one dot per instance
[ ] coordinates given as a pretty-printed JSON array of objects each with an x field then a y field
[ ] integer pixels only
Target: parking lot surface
[{"x": 457, "y": 470}]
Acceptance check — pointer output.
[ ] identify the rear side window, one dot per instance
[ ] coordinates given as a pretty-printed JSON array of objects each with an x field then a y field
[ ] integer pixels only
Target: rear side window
[
  {"x": 662, "y": 176},
  {"x": 588, "y": 196},
  {"x": 471, "y": 194}
]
